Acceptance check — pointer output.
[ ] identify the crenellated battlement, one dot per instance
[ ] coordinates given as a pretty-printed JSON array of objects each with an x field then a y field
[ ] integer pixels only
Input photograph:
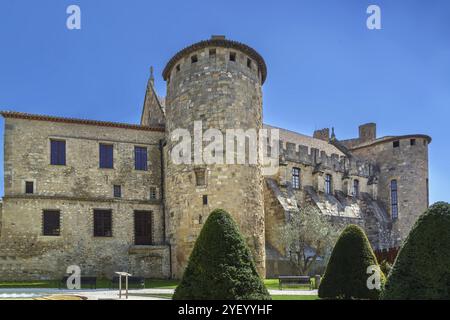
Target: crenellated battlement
[{"x": 314, "y": 157}]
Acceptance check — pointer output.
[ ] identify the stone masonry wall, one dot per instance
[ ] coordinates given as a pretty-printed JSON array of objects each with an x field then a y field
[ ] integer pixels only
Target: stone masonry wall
[
  {"x": 76, "y": 189},
  {"x": 408, "y": 164},
  {"x": 224, "y": 95}
]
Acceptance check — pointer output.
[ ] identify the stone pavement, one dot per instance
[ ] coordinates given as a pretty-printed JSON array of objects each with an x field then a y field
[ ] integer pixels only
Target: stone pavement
[{"x": 135, "y": 294}]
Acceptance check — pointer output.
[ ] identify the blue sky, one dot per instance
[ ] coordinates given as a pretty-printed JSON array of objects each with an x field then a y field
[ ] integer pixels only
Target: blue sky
[{"x": 325, "y": 68}]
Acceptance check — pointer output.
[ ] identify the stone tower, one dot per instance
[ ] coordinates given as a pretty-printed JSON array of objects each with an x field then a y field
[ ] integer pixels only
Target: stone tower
[
  {"x": 404, "y": 161},
  {"x": 217, "y": 83}
]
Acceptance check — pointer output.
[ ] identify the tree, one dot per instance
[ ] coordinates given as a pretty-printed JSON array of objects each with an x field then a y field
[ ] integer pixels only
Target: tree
[
  {"x": 351, "y": 268},
  {"x": 422, "y": 268},
  {"x": 221, "y": 266},
  {"x": 306, "y": 236}
]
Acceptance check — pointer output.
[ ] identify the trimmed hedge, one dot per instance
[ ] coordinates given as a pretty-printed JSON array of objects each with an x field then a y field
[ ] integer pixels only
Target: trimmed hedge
[
  {"x": 422, "y": 267},
  {"x": 221, "y": 266},
  {"x": 346, "y": 274}
]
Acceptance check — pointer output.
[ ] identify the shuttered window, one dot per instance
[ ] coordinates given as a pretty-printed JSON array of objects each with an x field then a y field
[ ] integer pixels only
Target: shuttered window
[
  {"x": 106, "y": 156},
  {"x": 58, "y": 152},
  {"x": 140, "y": 158},
  {"x": 51, "y": 223},
  {"x": 102, "y": 223}
]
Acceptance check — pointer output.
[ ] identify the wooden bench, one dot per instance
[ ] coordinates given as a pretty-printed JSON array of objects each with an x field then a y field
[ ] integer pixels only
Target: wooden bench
[
  {"x": 139, "y": 282},
  {"x": 294, "y": 280},
  {"x": 85, "y": 280}
]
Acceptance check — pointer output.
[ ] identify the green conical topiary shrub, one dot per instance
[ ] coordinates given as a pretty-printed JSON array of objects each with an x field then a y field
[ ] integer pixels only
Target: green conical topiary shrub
[
  {"x": 221, "y": 265},
  {"x": 422, "y": 267},
  {"x": 346, "y": 274}
]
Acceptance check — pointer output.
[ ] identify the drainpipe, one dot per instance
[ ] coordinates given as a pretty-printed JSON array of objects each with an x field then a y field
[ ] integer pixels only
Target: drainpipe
[{"x": 162, "y": 143}]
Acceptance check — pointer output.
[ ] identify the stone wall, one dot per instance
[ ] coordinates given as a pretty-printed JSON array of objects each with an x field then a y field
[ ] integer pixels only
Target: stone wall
[
  {"x": 222, "y": 94},
  {"x": 408, "y": 164},
  {"x": 76, "y": 189}
]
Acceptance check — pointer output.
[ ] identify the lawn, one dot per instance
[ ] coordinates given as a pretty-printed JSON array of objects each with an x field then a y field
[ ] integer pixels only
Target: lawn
[
  {"x": 271, "y": 284},
  {"x": 101, "y": 284}
]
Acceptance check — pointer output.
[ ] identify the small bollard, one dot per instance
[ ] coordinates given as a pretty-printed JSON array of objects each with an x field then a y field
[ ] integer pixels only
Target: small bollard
[{"x": 317, "y": 282}]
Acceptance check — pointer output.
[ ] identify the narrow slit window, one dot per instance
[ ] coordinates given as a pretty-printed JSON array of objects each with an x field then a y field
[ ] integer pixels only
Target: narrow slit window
[
  {"x": 296, "y": 178},
  {"x": 205, "y": 200},
  {"x": 153, "y": 194},
  {"x": 178, "y": 68},
  {"x": 356, "y": 188},
  {"x": 328, "y": 184},
  {"x": 117, "y": 191},
  {"x": 394, "y": 200},
  {"x": 249, "y": 63}
]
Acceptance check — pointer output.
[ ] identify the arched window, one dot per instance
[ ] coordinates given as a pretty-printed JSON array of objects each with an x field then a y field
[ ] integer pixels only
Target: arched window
[
  {"x": 356, "y": 188},
  {"x": 394, "y": 200},
  {"x": 328, "y": 184},
  {"x": 296, "y": 178}
]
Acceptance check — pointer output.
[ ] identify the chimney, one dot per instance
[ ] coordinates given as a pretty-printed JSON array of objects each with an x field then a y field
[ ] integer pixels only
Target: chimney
[
  {"x": 322, "y": 134},
  {"x": 367, "y": 132}
]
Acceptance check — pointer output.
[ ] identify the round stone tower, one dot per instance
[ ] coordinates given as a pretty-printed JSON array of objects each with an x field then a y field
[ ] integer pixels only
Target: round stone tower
[
  {"x": 215, "y": 84},
  {"x": 402, "y": 179}
]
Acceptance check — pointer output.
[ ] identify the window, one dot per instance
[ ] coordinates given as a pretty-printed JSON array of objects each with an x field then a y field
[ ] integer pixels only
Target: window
[
  {"x": 212, "y": 53},
  {"x": 51, "y": 223},
  {"x": 205, "y": 200},
  {"x": 232, "y": 56},
  {"x": 153, "y": 195},
  {"x": 200, "y": 177},
  {"x": 412, "y": 142},
  {"x": 396, "y": 144},
  {"x": 143, "y": 227},
  {"x": 178, "y": 68},
  {"x": 102, "y": 223},
  {"x": 117, "y": 191},
  {"x": 58, "y": 152},
  {"x": 140, "y": 158},
  {"x": 194, "y": 59},
  {"x": 356, "y": 188},
  {"x": 249, "y": 63},
  {"x": 296, "y": 178},
  {"x": 29, "y": 187},
  {"x": 106, "y": 156},
  {"x": 394, "y": 200},
  {"x": 328, "y": 184}
]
